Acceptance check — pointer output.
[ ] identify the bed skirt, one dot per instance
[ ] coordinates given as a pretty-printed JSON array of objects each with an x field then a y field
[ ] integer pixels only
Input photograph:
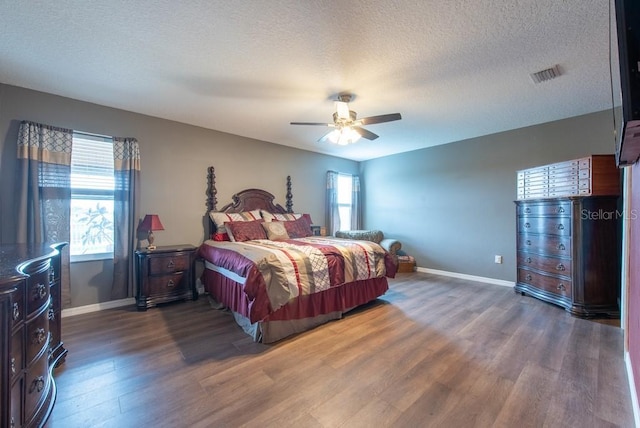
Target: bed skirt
[{"x": 300, "y": 314}]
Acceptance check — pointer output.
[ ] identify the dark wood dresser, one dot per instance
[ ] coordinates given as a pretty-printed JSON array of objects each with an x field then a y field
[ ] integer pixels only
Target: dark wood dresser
[
  {"x": 568, "y": 239},
  {"x": 30, "y": 332},
  {"x": 165, "y": 274}
]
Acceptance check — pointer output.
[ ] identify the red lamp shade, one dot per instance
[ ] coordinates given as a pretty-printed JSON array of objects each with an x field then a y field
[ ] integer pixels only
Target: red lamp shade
[{"x": 151, "y": 222}]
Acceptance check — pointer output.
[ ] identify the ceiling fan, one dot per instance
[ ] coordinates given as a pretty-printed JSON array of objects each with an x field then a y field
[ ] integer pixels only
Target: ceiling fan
[{"x": 348, "y": 129}]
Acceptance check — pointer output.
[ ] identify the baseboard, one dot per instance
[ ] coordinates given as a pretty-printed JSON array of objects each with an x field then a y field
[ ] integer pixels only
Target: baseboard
[
  {"x": 632, "y": 389},
  {"x": 467, "y": 277},
  {"x": 97, "y": 307}
]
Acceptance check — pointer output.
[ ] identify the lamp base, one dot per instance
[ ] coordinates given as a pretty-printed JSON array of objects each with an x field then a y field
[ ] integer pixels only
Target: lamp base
[{"x": 151, "y": 238}]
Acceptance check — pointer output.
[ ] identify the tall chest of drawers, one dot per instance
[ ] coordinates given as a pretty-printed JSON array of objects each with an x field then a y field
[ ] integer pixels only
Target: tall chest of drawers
[
  {"x": 30, "y": 335},
  {"x": 568, "y": 241}
]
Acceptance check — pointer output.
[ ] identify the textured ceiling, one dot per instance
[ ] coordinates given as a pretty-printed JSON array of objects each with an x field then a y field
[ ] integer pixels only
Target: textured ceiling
[{"x": 454, "y": 69}]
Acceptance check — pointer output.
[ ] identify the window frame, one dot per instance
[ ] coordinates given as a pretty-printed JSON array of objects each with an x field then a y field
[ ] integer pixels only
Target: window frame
[{"x": 92, "y": 194}]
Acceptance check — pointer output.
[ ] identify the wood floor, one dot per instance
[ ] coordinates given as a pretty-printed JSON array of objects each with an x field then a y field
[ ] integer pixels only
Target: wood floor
[{"x": 432, "y": 352}]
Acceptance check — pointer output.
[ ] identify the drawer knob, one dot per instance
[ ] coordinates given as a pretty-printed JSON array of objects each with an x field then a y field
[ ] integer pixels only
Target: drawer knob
[
  {"x": 560, "y": 210},
  {"x": 16, "y": 311},
  {"x": 37, "y": 384},
  {"x": 561, "y": 287},
  {"x": 561, "y": 247},
  {"x": 171, "y": 264},
  {"x": 39, "y": 335},
  {"x": 527, "y": 210},
  {"x": 527, "y": 225},
  {"x": 40, "y": 291},
  {"x": 13, "y": 365},
  {"x": 528, "y": 242},
  {"x": 560, "y": 226},
  {"x": 560, "y": 267},
  {"x": 528, "y": 277},
  {"x": 171, "y": 283},
  {"x": 528, "y": 260}
]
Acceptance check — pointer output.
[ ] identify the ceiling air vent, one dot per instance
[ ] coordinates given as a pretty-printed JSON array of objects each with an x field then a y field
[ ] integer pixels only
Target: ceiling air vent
[{"x": 547, "y": 74}]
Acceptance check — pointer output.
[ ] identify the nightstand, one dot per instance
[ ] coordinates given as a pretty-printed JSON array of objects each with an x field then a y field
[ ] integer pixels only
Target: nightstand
[{"x": 165, "y": 274}]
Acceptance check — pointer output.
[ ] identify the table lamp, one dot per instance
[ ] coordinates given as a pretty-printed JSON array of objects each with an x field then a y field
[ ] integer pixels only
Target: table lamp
[{"x": 150, "y": 223}]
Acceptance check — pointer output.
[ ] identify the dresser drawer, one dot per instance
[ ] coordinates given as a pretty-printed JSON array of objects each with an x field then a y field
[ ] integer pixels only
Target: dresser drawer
[
  {"x": 18, "y": 308},
  {"x": 550, "y": 284},
  {"x": 168, "y": 264},
  {"x": 37, "y": 384},
  {"x": 16, "y": 403},
  {"x": 37, "y": 291},
  {"x": 37, "y": 336},
  {"x": 560, "y": 209},
  {"x": 553, "y": 245},
  {"x": 552, "y": 265},
  {"x": 16, "y": 359},
  {"x": 167, "y": 284},
  {"x": 546, "y": 226}
]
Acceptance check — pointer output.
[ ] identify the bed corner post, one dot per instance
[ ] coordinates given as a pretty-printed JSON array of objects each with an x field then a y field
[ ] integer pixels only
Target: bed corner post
[
  {"x": 289, "y": 195},
  {"x": 212, "y": 200}
]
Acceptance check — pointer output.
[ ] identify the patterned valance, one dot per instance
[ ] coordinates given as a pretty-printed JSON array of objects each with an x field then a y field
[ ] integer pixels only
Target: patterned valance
[
  {"x": 126, "y": 154},
  {"x": 45, "y": 143}
]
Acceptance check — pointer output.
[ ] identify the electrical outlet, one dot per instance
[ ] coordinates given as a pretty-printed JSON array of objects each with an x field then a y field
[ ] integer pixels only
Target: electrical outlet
[{"x": 498, "y": 259}]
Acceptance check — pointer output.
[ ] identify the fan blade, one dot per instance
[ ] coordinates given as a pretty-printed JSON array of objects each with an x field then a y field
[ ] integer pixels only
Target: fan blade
[
  {"x": 364, "y": 133},
  {"x": 379, "y": 119},
  {"x": 313, "y": 123}
]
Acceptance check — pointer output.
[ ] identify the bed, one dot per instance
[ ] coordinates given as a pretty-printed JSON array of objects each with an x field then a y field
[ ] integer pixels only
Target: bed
[{"x": 284, "y": 280}]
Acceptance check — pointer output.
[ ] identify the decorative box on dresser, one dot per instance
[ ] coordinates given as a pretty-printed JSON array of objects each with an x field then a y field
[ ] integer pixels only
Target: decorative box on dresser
[
  {"x": 30, "y": 335},
  {"x": 568, "y": 235},
  {"x": 165, "y": 274}
]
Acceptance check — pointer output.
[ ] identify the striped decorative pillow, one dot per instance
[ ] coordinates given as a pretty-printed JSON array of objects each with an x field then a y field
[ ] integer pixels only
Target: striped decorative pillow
[
  {"x": 220, "y": 218},
  {"x": 267, "y": 216}
]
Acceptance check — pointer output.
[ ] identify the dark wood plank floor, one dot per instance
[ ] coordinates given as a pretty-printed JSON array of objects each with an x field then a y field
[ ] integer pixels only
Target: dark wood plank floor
[{"x": 432, "y": 352}]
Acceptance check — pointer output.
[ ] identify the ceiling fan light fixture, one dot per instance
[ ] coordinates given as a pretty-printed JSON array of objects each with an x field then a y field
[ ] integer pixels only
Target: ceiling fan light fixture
[{"x": 344, "y": 136}]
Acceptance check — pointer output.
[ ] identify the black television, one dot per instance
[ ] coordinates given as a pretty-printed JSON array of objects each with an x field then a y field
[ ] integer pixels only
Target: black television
[{"x": 628, "y": 32}]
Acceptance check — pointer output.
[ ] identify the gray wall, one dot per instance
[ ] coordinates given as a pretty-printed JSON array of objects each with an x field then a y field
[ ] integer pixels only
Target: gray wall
[
  {"x": 174, "y": 160},
  {"x": 452, "y": 205}
]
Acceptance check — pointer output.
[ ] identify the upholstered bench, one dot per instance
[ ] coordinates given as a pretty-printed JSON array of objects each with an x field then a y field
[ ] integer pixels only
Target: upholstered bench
[{"x": 391, "y": 245}]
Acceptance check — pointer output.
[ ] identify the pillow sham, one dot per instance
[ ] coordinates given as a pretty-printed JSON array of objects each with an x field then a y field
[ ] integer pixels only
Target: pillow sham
[
  {"x": 300, "y": 228},
  {"x": 240, "y": 231},
  {"x": 219, "y": 219},
  {"x": 275, "y": 230},
  {"x": 267, "y": 216}
]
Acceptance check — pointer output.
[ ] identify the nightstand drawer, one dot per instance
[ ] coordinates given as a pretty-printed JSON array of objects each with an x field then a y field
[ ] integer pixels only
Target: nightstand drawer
[
  {"x": 168, "y": 264},
  {"x": 166, "y": 284}
]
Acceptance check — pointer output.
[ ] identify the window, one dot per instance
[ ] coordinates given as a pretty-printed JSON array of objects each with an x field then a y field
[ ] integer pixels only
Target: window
[
  {"x": 92, "y": 189},
  {"x": 345, "y": 200}
]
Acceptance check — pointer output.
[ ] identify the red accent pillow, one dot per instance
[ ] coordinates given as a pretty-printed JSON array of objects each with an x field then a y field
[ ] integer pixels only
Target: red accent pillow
[
  {"x": 220, "y": 237},
  {"x": 240, "y": 231},
  {"x": 300, "y": 228}
]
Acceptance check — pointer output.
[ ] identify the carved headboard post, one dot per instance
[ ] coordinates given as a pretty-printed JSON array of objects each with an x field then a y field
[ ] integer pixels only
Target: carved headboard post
[
  {"x": 289, "y": 195},
  {"x": 212, "y": 200}
]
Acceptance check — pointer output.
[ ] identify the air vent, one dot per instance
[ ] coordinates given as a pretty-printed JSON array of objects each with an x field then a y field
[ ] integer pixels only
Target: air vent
[{"x": 547, "y": 74}]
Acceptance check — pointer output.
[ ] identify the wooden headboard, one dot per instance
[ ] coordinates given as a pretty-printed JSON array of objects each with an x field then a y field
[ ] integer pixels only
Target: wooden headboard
[{"x": 245, "y": 200}]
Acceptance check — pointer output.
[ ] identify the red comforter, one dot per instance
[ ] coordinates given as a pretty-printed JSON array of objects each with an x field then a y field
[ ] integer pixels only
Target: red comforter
[{"x": 274, "y": 272}]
